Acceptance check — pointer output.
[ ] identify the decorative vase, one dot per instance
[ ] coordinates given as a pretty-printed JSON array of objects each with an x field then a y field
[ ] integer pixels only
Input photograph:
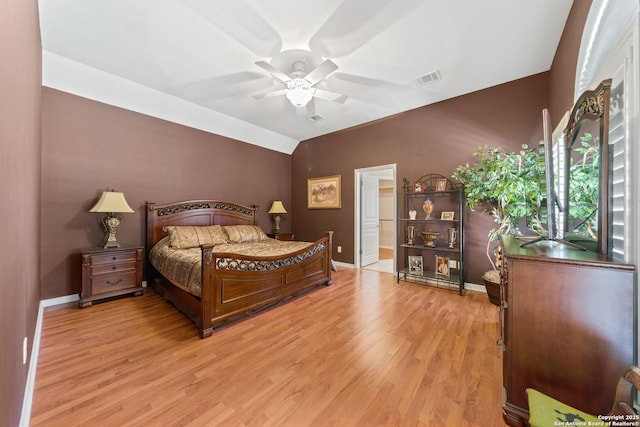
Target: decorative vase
[
  {"x": 411, "y": 234},
  {"x": 430, "y": 238},
  {"x": 427, "y": 207},
  {"x": 452, "y": 235},
  {"x": 412, "y": 215}
]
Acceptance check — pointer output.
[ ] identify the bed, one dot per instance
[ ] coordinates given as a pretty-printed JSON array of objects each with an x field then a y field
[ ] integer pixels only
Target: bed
[{"x": 231, "y": 284}]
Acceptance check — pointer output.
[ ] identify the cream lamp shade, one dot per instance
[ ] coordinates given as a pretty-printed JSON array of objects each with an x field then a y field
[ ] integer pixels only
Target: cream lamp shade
[
  {"x": 277, "y": 208},
  {"x": 111, "y": 203}
]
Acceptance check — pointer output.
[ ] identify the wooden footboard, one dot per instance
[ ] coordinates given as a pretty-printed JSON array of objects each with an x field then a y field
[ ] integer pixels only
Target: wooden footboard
[{"x": 232, "y": 284}]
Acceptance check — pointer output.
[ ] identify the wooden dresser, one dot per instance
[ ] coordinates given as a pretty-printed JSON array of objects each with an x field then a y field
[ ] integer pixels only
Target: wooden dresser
[{"x": 567, "y": 324}]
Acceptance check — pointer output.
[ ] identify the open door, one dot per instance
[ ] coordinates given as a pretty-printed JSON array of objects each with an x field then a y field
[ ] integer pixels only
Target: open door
[{"x": 369, "y": 220}]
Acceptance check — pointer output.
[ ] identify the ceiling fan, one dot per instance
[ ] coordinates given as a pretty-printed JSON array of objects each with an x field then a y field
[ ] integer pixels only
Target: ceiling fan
[{"x": 300, "y": 84}]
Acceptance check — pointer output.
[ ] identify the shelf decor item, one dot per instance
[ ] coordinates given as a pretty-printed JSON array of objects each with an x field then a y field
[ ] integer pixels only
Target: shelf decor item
[
  {"x": 412, "y": 215},
  {"x": 427, "y": 207},
  {"x": 447, "y": 215},
  {"x": 452, "y": 235},
  {"x": 411, "y": 235},
  {"x": 430, "y": 238},
  {"x": 415, "y": 263},
  {"x": 442, "y": 266}
]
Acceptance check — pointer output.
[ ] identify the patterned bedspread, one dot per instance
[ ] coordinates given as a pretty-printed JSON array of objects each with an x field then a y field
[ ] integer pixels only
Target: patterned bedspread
[{"x": 182, "y": 266}]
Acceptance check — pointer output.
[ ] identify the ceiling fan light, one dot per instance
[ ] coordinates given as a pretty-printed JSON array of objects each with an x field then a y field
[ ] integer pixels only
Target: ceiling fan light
[{"x": 299, "y": 97}]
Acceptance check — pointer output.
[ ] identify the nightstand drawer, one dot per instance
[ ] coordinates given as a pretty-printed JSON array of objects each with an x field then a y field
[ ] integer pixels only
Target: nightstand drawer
[
  {"x": 97, "y": 269},
  {"x": 113, "y": 282},
  {"x": 113, "y": 257}
]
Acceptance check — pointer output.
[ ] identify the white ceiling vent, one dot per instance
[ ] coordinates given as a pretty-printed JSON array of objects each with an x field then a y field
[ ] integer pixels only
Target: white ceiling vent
[
  {"x": 315, "y": 118},
  {"x": 430, "y": 77}
]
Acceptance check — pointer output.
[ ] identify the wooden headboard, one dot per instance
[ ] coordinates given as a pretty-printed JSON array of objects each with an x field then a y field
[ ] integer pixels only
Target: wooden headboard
[{"x": 194, "y": 212}]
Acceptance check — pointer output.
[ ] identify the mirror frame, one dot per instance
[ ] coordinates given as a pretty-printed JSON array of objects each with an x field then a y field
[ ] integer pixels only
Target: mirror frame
[{"x": 592, "y": 105}]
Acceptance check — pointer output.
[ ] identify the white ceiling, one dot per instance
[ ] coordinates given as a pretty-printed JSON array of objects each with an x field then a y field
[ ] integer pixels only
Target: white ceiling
[{"x": 193, "y": 61}]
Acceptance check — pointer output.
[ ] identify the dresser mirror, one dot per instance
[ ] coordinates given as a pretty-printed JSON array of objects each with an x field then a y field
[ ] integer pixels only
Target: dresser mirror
[{"x": 585, "y": 172}]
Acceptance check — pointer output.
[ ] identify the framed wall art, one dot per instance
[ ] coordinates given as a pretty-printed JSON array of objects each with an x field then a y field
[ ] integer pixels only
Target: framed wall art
[
  {"x": 324, "y": 192},
  {"x": 441, "y": 184}
]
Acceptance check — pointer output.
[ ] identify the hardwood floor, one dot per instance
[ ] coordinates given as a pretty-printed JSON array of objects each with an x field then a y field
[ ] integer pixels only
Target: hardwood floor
[
  {"x": 363, "y": 352},
  {"x": 385, "y": 253}
]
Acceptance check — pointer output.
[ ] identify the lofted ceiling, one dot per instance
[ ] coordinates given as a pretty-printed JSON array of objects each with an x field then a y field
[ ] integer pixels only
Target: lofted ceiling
[{"x": 194, "y": 62}]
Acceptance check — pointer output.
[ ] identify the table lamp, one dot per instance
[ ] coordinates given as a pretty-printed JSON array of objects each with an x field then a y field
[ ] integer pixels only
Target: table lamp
[
  {"x": 111, "y": 202},
  {"x": 277, "y": 208}
]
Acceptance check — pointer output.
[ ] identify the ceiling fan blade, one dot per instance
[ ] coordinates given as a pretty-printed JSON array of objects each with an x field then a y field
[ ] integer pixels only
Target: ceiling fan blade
[
  {"x": 321, "y": 71},
  {"x": 355, "y": 22},
  {"x": 270, "y": 94},
  {"x": 274, "y": 71},
  {"x": 375, "y": 91},
  {"x": 222, "y": 86},
  {"x": 330, "y": 96},
  {"x": 239, "y": 20}
]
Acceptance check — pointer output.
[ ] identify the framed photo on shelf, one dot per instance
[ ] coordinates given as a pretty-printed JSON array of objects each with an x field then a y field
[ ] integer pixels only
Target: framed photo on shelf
[
  {"x": 415, "y": 263},
  {"x": 441, "y": 184},
  {"x": 447, "y": 215},
  {"x": 418, "y": 186},
  {"x": 442, "y": 266},
  {"x": 323, "y": 193}
]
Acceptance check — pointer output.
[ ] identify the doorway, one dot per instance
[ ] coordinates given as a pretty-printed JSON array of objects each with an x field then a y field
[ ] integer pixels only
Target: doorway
[{"x": 375, "y": 218}]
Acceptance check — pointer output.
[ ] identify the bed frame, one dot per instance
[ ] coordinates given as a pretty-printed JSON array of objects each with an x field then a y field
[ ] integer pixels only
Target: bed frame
[{"x": 245, "y": 283}]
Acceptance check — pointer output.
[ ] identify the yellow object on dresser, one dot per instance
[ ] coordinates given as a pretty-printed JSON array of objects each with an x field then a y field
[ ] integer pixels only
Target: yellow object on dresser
[{"x": 545, "y": 411}]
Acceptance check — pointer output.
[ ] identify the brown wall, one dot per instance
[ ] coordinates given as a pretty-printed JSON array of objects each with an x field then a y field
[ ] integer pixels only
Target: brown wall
[
  {"x": 20, "y": 80},
  {"x": 431, "y": 139},
  {"x": 89, "y": 147},
  {"x": 563, "y": 69}
]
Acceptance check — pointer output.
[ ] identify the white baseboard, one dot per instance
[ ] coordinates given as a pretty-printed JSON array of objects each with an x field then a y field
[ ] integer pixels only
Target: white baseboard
[
  {"x": 475, "y": 287},
  {"x": 27, "y": 401},
  {"x": 344, "y": 264},
  {"x": 52, "y": 302}
]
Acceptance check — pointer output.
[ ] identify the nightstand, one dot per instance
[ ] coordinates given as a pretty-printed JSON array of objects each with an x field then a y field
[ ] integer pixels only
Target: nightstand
[
  {"x": 282, "y": 236},
  {"x": 110, "y": 272}
]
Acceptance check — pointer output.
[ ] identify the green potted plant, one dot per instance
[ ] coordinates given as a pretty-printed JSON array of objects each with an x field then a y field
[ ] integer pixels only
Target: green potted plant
[{"x": 507, "y": 186}]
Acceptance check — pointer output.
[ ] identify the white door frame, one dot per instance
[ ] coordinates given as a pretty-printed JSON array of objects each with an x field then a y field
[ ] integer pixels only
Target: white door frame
[{"x": 356, "y": 232}]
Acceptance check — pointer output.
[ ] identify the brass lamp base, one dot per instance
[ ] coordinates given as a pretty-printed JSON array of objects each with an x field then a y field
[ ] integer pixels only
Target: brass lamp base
[
  {"x": 111, "y": 223},
  {"x": 276, "y": 224}
]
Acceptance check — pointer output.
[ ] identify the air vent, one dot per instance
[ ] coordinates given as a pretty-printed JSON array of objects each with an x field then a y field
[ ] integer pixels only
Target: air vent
[
  {"x": 430, "y": 77},
  {"x": 315, "y": 118}
]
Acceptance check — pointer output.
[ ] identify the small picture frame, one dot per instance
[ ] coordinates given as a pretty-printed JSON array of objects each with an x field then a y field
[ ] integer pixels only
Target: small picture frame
[
  {"x": 442, "y": 266},
  {"x": 415, "y": 264},
  {"x": 447, "y": 215},
  {"x": 418, "y": 186},
  {"x": 441, "y": 184}
]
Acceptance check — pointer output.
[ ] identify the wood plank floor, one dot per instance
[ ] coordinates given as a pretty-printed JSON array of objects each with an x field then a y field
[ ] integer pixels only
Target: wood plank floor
[{"x": 363, "y": 352}]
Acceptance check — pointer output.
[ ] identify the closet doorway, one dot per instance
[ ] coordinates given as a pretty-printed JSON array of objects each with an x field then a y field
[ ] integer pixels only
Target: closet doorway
[{"x": 375, "y": 218}]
